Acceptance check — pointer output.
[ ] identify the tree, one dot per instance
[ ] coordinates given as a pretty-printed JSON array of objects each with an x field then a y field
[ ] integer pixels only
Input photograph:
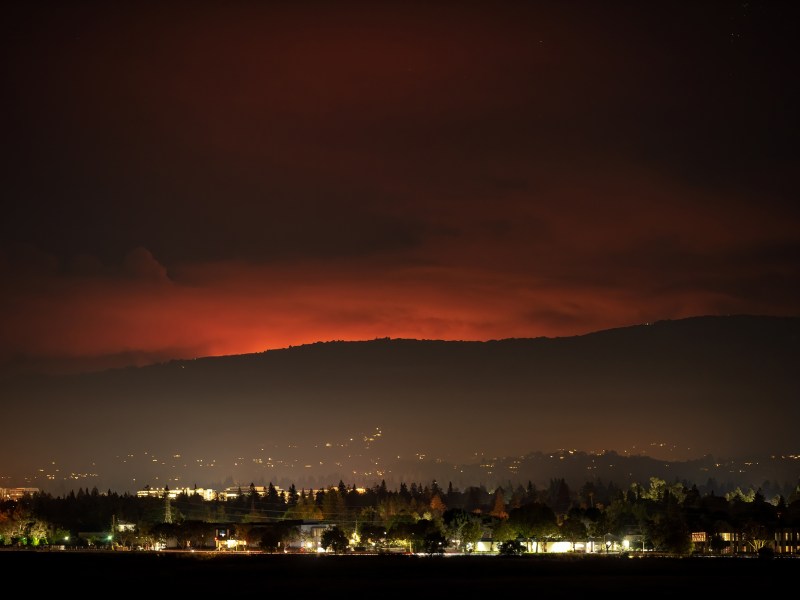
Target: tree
[
  {"x": 434, "y": 542},
  {"x": 274, "y": 536},
  {"x": 587, "y": 494},
  {"x": 471, "y": 533},
  {"x": 335, "y": 539},
  {"x": 453, "y": 521},
  {"x": 741, "y": 496},
  {"x": 511, "y": 548},
  {"x": 499, "y": 506},
  {"x": 193, "y": 533},
  {"x": 293, "y": 497},
  {"x": 559, "y": 496},
  {"x": 475, "y": 498},
  {"x": 717, "y": 544},
  {"x": 453, "y": 497},
  {"x": 437, "y": 506},
  {"x": 408, "y": 533},
  {"x": 400, "y": 533},
  {"x": 21, "y": 525},
  {"x": 425, "y": 535},
  {"x": 382, "y": 491},
  {"x": 668, "y": 532},
  {"x": 534, "y": 522},
  {"x": 305, "y": 510},
  {"x": 504, "y": 531},
  {"x": 621, "y": 516},
  {"x": 756, "y": 535},
  {"x": 126, "y": 538},
  {"x": 656, "y": 491},
  {"x": 373, "y": 535},
  {"x": 163, "y": 532},
  {"x": 333, "y": 506},
  {"x": 404, "y": 493},
  {"x": 573, "y": 530}
]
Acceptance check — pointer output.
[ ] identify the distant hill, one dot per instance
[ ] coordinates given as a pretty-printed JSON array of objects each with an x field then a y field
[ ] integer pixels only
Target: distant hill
[
  {"x": 773, "y": 475},
  {"x": 674, "y": 390}
]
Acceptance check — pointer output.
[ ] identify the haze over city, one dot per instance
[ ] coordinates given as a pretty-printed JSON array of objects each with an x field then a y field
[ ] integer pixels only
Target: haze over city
[{"x": 495, "y": 200}]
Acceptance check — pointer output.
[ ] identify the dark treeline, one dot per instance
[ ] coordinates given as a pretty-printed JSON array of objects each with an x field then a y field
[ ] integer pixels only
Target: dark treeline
[{"x": 658, "y": 516}]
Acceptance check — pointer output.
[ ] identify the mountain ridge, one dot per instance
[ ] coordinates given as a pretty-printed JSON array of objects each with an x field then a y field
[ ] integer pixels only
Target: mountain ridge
[
  {"x": 707, "y": 319},
  {"x": 725, "y": 386}
]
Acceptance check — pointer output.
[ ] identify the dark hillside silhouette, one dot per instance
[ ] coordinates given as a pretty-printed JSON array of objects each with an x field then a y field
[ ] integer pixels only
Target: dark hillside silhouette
[{"x": 675, "y": 390}]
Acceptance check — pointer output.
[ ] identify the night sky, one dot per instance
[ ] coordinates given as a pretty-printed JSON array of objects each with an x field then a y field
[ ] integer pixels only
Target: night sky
[
  {"x": 195, "y": 179},
  {"x": 199, "y": 179}
]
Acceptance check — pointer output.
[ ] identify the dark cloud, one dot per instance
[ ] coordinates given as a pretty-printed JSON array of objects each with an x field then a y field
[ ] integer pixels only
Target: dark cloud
[
  {"x": 458, "y": 171},
  {"x": 140, "y": 263}
]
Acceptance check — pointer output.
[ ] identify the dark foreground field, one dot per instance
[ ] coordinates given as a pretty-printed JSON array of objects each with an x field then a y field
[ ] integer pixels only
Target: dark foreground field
[{"x": 395, "y": 576}]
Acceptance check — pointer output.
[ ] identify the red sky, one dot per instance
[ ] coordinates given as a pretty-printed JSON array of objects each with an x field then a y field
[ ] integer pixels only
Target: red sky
[{"x": 225, "y": 178}]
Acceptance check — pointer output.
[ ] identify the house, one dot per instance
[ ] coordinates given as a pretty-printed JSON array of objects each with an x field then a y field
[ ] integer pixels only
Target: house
[
  {"x": 787, "y": 540},
  {"x": 310, "y": 538}
]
